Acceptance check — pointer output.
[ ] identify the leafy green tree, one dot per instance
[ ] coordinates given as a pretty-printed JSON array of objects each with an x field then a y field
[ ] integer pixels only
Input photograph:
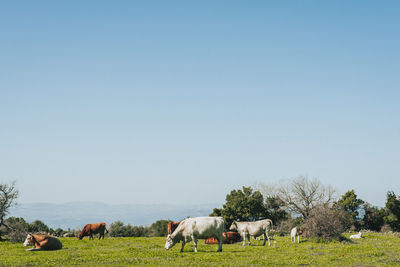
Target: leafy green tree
[
  {"x": 242, "y": 205},
  {"x": 352, "y": 205},
  {"x": 158, "y": 228},
  {"x": 392, "y": 211},
  {"x": 58, "y": 232},
  {"x": 273, "y": 206},
  {"x": 117, "y": 229},
  {"x": 216, "y": 212},
  {"x": 373, "y": 218},
  {"x": 38, "y": 226},
  {"x": 139, "y": 231},
  {"x": 128, "y": 230}
]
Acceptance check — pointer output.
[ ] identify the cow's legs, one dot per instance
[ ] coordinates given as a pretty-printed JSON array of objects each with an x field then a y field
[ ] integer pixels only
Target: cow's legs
[
  {"x": 183, "y": 245},
  {"x": 220, "y": 240},
  {"x": 244, "y": 238},
  {"x": 195, "y": 243},
  {"x": 101, "y": 235},
  {"x": 33, "y": 249},
  {"x": 298, "y": 239},
  {"x": 266, "y": 235},
  {"x": 248, "y": 239}
]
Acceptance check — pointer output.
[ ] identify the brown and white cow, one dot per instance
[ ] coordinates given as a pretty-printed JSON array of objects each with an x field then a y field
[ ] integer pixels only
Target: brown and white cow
[
  {"x": 91, "y": 229},
  {"x": 172, "y": 226},
  {"x": 42, "y": 242},
  {"x": 296, "y": 232}
]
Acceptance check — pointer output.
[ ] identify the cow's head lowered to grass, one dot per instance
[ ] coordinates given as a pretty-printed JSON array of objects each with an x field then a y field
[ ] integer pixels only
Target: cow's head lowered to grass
[{"x": 171, "y": 241}]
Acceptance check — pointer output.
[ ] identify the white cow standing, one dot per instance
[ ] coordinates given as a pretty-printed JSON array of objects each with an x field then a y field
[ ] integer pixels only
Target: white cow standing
[
  {"x": 197, "y": 228},
  {"x": 255, "y": 229},
  {"x": 295, "y": 232}
]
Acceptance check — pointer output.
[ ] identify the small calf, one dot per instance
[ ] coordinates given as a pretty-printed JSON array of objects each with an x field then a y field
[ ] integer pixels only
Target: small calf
[
  {"x": 357, "y": 236},
  {"x": 295, "y": 232}
]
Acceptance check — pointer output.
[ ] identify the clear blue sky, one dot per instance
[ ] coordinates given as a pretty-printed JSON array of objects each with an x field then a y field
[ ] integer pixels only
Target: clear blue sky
[{"x": 183, "y": 101}]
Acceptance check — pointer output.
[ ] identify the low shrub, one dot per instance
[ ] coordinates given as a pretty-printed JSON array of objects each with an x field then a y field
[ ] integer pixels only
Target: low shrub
[{"x": 326, "y": 223}]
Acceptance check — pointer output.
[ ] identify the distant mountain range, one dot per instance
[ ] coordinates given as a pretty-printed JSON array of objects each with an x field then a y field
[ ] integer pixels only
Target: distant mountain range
[{"x": 76, "y": 214}]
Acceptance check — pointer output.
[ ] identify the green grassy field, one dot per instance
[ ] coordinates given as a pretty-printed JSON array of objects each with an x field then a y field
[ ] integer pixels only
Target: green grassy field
[{"x": 375, "y": 249}]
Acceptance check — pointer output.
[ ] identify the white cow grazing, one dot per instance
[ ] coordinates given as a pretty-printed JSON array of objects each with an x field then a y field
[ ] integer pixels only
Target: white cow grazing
[
  {"x": 256, "y": 228},
  {"x": 295, "y": 232},
  {"x": 197, "y": 228},
  {"x": 357, "y": 236}
]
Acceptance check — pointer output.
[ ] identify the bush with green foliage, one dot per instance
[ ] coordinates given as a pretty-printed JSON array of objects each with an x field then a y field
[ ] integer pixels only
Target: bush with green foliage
[
  {"x": 58, "y": 232},
  {"x": 392, "y": 207},
  {"x": 274, "y": 209},
  {"x": 158, "y": 228},
  {"x": 38, "y": 226},
  {"x": 373, "y": 218},
  {"x": 352, "y": 205},
  {"x": 118, "y": 229}
]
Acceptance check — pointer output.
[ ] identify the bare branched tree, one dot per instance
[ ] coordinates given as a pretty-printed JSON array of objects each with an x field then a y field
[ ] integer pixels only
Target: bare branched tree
[
  {"x": 8, "y": 197},
  {"x": 301, "y": 195}
]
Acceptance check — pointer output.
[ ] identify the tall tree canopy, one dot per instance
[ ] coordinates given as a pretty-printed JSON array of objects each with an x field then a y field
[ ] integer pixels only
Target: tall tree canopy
[
  {"x": 351, "y": 205},
  {"x": 38, "y": 226},
  {"x": 242, "y": 205},
  {"x": 275, "y": 211},
  {"x": 373, "y": 217},
  {"x": 393, "y": 211}
]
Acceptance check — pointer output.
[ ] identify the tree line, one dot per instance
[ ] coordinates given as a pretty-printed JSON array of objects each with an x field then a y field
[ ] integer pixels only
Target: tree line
[
  {"x": 299, "y": 202},
  {"x": 16, "y": 228},
  {"x": 311, "y": 205}
]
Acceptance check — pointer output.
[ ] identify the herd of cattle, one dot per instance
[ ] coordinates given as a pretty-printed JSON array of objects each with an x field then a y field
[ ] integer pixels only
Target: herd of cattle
[{"x": 191, "y": 229}]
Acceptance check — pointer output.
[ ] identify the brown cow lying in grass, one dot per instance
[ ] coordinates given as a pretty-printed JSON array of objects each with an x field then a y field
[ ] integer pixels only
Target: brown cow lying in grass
[
  {"x": 91, "y": 229},
  {"x": 233, "y": 237},
  {"x": 42, "y": 242}
]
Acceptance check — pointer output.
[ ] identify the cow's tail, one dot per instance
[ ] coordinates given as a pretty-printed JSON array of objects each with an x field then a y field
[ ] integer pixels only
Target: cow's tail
[
  {"x": 271, "y": 224},
  {"x": 271, "y": 227},
  {"x": 105, "y": 228}
]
